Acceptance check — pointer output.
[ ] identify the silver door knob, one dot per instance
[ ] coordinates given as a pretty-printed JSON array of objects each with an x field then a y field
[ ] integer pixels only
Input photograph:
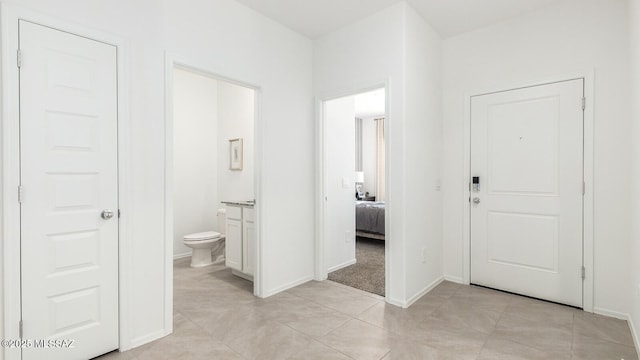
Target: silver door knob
[
  {"x": 107, "y": 214},
  {"x": 476, "y": 200}
]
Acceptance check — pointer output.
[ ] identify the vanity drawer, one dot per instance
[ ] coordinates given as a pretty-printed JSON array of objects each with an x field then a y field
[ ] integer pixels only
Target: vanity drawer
[{"x": 234, "y": 212}]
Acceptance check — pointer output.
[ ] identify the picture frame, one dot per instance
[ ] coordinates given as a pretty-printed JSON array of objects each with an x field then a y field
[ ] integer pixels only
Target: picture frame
[{"x": 235, "y": 154}]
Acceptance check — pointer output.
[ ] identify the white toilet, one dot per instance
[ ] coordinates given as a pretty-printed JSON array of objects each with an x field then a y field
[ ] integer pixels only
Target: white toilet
[{"x": 204, "y": 244}]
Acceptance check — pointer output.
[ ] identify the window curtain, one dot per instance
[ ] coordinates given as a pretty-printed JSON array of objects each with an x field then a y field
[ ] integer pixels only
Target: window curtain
[
  {"x": 358, "y": 144},
  {"x": 380, "y": 160}
]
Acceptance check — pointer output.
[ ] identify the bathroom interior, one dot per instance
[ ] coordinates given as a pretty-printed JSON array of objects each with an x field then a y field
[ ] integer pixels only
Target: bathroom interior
[{"x": 213, "y": 167}]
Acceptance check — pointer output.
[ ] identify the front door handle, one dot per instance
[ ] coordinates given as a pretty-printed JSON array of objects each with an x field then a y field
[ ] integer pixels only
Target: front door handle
[{"x": 476, "y": 200}]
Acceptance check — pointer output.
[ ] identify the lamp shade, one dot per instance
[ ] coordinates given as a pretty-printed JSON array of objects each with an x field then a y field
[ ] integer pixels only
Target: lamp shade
[{"x": 359, "y": 176}]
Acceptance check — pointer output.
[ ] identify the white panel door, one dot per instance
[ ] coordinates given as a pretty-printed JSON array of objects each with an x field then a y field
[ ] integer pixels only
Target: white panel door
[
  {"x": 526, "y": 217},
  {"x": 69, "y": 253},
  {"x": 340, "y": 187}
]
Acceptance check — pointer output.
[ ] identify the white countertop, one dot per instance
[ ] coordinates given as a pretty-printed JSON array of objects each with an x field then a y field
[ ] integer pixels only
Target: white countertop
[{"x": 246, "y": 203}]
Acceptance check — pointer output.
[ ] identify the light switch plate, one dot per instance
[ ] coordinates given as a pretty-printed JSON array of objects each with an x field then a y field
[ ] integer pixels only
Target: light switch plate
[{"x": 345, "y": 183}]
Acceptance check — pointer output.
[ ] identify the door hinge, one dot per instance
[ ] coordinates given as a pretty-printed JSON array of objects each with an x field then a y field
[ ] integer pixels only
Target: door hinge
[
  {"x": 118, "y": 213},
  {"x": 20, "y": 194},
  {"x": 20, "y": 328},
  {"x": 584, "y": 188},
  {"x": 584, "y": 103},
  {"x": 584, "y": 273},
  {"x": 19, "y": 58}
]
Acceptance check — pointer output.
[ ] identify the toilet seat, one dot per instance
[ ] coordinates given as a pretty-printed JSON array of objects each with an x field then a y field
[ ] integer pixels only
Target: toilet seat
[{"x": 201, "y": 236}]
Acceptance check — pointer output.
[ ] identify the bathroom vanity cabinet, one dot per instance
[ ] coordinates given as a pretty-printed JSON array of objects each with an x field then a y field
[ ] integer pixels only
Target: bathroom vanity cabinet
[{"x": 239, "y": 251}]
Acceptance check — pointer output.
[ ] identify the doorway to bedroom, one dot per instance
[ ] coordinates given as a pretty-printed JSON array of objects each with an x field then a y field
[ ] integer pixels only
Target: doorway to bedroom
[{"x": 354, "y": 190}]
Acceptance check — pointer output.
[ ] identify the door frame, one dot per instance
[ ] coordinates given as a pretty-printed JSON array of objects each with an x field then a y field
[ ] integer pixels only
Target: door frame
[
  {"x": 588, "y": 170},
  {"x": 173, "y": 61},
  {"x": 321, "y": 270},
  {"x": 10, "y": 177}
]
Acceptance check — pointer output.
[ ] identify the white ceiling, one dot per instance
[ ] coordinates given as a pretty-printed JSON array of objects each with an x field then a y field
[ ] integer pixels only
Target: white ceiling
[
  {"x": 454, "y": 17},
  {"x": 314, "y": 18}
]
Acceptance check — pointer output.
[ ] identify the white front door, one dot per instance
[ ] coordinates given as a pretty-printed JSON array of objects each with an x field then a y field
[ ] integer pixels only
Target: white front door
[
  {"x": 68, "y": 157},
  {"x": 526, "y": 216}
]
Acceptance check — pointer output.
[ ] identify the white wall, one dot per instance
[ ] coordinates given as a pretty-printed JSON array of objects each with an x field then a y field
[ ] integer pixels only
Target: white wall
[
  {"x": 236, "y": 117},
  {"x": 228, "y": 39},
  {"x": 340, "y": 132},
  {"x": 634, "y": 13},
  {"x": 422, "y": 153},
  {"x": 238, "y": 43},
  {"x": 369, "y": 154},
  {"x": 573, "y": 35},
  {"x": 338, "y": 68},
  {"x": 195, "y": 156}
]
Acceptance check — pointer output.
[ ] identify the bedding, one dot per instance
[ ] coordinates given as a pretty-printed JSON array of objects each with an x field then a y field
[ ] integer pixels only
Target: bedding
[{"x": 370, "y": 217}]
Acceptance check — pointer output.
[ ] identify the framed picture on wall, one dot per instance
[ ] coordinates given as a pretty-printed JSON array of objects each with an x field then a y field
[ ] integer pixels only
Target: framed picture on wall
[{"x": 235, "y": 154}]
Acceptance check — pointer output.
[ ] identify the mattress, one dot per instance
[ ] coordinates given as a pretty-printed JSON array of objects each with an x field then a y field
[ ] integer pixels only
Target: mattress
[{"x": 370, "y": 217}]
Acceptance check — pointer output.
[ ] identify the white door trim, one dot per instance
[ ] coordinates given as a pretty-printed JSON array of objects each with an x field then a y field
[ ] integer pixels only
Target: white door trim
[
  {"x": 10, "y": 236},
  {"x": 172, "y": 61},
  {"x": 321, "y": 271},
  {"x": 588, "y": 236}
]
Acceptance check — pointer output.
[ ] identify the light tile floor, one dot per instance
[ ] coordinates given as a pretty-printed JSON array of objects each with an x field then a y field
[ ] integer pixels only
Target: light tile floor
[{"x": 216, "y": 317}]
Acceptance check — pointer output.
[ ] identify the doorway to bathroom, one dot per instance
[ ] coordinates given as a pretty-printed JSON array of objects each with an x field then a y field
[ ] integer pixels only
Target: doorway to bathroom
[
  {"x": 354, "y": 240},
  {"x": 211, "y": 212}
]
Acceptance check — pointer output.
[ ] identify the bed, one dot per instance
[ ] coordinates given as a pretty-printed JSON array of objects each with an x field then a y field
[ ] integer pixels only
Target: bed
[{"x": 370, "y": 219}]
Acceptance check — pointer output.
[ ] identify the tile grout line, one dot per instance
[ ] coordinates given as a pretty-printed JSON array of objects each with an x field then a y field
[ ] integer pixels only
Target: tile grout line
[
  {"x": 330, "y": 308},
  {"x": 494, "y": 328},
  {"x": 452, "y": 297},
  {"x": 318, "y": 339},
  {"x": 385, "y": 355},
  {"x": 355, "y": 290},
  {"x": 210, "y": 336},
  {"x": 527, "y": 345}
]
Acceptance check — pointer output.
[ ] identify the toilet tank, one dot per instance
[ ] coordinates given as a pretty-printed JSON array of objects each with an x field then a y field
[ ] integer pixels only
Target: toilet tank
[{"x": 222, "y": 221}]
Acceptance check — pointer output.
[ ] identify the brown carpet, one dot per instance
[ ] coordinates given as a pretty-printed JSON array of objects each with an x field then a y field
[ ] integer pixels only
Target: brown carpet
[{"x": 368, "y": 272}]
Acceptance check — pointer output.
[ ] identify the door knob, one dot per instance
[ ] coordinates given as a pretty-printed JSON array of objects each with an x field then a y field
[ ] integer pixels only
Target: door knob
[
  {"x": 476, "y": 200},
  {"x": 107, "y": 214}
]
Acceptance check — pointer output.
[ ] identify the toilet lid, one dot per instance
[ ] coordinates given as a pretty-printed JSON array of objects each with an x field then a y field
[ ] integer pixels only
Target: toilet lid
[{"x": 207, "y": 235}]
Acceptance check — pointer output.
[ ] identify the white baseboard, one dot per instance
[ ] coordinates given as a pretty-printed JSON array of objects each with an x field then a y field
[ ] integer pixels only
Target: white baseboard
[
  {"x": 395, "y": 302},
  {"x": 287, "y": 286},
  {"x": 181, "y": 256},
  {"x": 145, "y": 339},
  {"x": 611, "y": 313},
  {"x": 343, "y": 265},
  {"x": 423, "y": 292},
  {"x": 455, "y": 279}
]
